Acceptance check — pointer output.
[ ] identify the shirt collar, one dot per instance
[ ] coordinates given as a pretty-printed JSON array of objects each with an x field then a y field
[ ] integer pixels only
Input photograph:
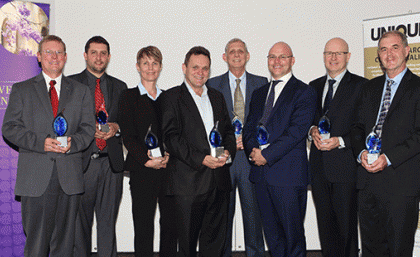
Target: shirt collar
[
  {"x": 57, "y": 80},
  {"x": 285, "y": 78},
  {"x": 233, "y": 77},
  {"x": 337, "y": 78},
  {"x": 397, "y": 79},
  {"x": 192, "y": 91},
  {"x": 143, "y": 91}
]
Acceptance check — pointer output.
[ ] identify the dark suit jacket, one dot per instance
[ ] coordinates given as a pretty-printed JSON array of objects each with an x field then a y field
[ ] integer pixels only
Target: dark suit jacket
[
  {"x": 114, "y": 144},
  {"x": 136, "y": 113},
  {"x": 288, "y": 125},
  {"x": 28, "y": 122},
  {"x": 221, "y": 83},
  {"x": 338, "y": 165},
  {"x": 186, "y": 140},
  {"x": 400, "y": 134}
]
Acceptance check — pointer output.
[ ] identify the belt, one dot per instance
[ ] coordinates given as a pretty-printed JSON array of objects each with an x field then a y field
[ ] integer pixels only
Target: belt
[{"x": 98, "y": 155}]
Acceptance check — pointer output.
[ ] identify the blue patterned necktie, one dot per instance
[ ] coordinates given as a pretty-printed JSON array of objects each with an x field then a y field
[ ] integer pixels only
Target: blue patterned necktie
[
  {"x": 269, "y": 104},
  {"x": 329, "y": 96},
  {"x": 385, "y": 107}
]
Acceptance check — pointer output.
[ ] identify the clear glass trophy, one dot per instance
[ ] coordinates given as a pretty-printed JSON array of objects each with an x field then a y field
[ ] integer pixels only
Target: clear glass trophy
[
  {"x": 262, "y": 136},
  {"x": 238, "y": 125},
  {"x": 152, "y": 143},
  {"x": 215, "y": 139},
  {"x": 102, "y": 119},
  {"x": 324, "y": 127},
  {"x": 373, "y": 146},
  {"x": 60, "y": 127}
]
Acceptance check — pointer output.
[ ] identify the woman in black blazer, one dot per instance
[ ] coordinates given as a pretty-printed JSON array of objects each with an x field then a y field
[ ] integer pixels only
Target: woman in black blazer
[{"x": 138, "y": 110}]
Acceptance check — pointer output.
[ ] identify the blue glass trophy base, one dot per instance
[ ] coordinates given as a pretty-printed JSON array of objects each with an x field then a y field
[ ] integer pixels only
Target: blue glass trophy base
[
  {"x": 104, "y": 128},
  {"x": 62, "y": 140},
  {"x": 372, "y": 157},
  {"x": 217, "y": 151},
  {"x": 262, "y": 147},
  {"x": 155, "y": 152},
  {"x": 325, "y": 136}
]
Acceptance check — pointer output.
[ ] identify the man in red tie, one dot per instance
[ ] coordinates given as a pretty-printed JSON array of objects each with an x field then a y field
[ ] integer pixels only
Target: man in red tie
[
  {"x": 49, "y": 175},
  {"x": 103, "y": 161}
]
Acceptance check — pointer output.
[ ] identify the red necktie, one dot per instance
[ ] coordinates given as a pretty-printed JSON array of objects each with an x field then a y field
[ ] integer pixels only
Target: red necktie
[
  {"x": 99, "y": 105},
  {"x": 53, "y": 97}
]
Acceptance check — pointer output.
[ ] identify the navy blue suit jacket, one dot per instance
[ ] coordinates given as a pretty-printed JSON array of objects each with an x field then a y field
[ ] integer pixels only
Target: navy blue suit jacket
[
  {"x": 221, "y": 83},
  {"x": 288, "y": 125}
]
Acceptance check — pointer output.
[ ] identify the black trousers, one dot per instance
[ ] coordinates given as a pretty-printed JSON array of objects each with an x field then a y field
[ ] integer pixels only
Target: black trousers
[
  {"x": 146, "y": 192},
  {"x": 336, "y": 212},
  {"x": 49, "y": 221},
  {"x": 202, "y": 218},
  {"x": 388, "y": 222}
]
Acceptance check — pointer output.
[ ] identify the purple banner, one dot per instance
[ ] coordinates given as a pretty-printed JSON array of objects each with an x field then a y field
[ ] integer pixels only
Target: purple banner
[{"x": 23, "y": 24}]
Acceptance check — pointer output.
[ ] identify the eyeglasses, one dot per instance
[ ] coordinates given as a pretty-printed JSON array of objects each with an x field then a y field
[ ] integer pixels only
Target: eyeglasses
[
  {"x": 51, "y": 52},
  {"x": 272, "y": 57},
  {"x": 329, "y": 54}
]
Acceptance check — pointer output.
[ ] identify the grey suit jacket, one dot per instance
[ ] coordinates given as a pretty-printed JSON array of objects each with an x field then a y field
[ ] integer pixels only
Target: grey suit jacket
[
  {"x": 221, "y": 83},
  {"x": 28, "y": 122}
]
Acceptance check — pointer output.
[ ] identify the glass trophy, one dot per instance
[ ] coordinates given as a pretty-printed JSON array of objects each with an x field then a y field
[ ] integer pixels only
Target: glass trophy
[
  {"x": 373, "y": 146},
  {"x": 60, "y": 127},
  {"x": 102, "y": 119},
  {"x": 238, "y": 125},
  {"x": 152, "y": 143},
  {"x": 324, "y": 127},
  {"x": 262, "y": 136},
  {"x": 215, "y": 139}
]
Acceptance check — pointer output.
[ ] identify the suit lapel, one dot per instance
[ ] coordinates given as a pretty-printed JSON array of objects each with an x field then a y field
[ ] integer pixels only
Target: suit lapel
[
  {"x": 225, "y": 89},
  {"x": 41, "y": 90},
  {"x": 320, "y": 91},
  {"x": 65, "y": 93},
  {"x": 402, "y": 88},
  {"x": 250, "y": 86},
  {"x": 341, "y": 93},
  {"x": 110, "y": 89},
  {"x": 191, "y": 107},
  {"x": 285, "y": 93}
]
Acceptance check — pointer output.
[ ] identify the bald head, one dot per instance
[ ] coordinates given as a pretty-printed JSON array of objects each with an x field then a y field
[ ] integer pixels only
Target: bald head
[
  {"x": 336, "y": 56},
  {"x": 280, "y": 60}
]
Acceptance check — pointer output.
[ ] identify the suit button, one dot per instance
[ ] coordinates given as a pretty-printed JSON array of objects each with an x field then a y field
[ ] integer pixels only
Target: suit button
[{"x": 52, "y": 159}]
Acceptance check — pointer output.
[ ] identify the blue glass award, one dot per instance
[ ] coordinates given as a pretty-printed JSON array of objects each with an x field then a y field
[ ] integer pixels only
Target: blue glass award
[
  {"x": 262, "y": 136},
  {"x": 152, "y": 143},
  {"x": 324, "y": 127},
  {"x": 215, "y": 139},
  {"x": 238, "y": 125},
  {"x": 102, "y": 119},
  {"x": 60, "y": 127},
  {"x": 373, "y": 146}
]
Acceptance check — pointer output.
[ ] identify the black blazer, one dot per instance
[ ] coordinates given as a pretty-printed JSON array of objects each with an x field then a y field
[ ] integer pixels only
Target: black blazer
[
  {"x": 186, "y": 140},
  {"x": 115, "y": 151},
  {"x": 136, "y": 113},
  {"x": 338, "y": 165},
  {"x": 400, "y": 134}
]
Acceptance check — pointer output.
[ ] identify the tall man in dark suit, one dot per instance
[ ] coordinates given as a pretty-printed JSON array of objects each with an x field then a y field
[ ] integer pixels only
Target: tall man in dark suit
[
  {"x": 103, "y": 160},
  {"x": 389, "y": 188},
  {"x": 333, "y": 167},
  {"x": 237, "y": 86},
  {"x": 286, "y": 108},
  {"x": 200, "y": 184},
  {"x": 49, "y": 176}
]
